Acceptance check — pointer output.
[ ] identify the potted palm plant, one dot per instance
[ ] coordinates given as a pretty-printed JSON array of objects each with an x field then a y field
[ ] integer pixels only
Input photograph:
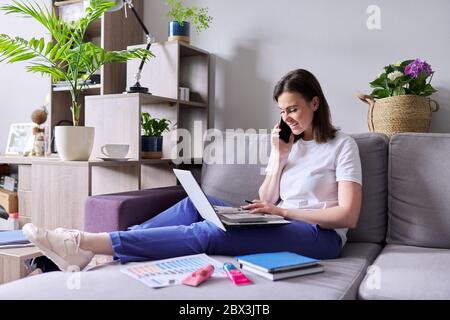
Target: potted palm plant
[
  {"x": 152, "y": 140},
  {"x": 181, "y": 18},
  {"x": 66, "y": 57}
]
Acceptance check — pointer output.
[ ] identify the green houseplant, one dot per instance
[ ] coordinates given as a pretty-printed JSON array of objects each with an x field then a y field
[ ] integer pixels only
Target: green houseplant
[
  {"x": 406, "y": 77},
  {"x": 181, "y": 18},
  {"x": 152, "y": 139},
  {"x": 399, "y": 100},
  {"x": 66, "y": 57}
]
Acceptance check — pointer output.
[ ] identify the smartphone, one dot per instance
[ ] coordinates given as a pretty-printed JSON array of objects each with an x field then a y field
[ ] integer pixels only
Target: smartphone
[{"x": 285, "y": 133}]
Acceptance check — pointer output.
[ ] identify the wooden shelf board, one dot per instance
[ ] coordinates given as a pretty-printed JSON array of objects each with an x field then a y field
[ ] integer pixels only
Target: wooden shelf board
[
  {"x": 143, "y": 98},
  {"x": 63, "y": 3},
  {"x": 101, "y": 163},
  {"x": 23, "y": 252},
  {"x": 161, "y": 161},
  {"x": 7, "y": 159},
  {"x": 192, "y": 104},
  {"x": 190, "y": 50},
  {"x": 92, "y": 87},
  {"x": 152, "y": 99}
]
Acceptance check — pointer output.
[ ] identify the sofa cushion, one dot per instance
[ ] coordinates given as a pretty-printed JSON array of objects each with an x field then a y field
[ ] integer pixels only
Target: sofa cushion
[
  {"x": 419, "y": 202},
  {"x": 235, "y": 182},
  {"x": 340, "y": 280},
  {"x": 409, "y": 273},
  {"x": 372, "y": 224},
  {"x": 235, "y": 171},
  {"x": 118, "y": 211}
]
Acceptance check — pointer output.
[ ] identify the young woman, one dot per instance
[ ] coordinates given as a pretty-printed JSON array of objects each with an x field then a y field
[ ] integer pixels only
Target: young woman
[{"x": 317, "y": 179}]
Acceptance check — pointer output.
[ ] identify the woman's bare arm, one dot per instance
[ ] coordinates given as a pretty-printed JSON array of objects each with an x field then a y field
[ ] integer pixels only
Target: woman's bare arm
[
  {"x": 344, "y": 215},
  {"x": 270, "y": 188}
]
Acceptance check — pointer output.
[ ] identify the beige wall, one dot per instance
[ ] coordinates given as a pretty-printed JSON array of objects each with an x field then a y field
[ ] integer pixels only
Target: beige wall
[
  {"x": 256, "y": 41},
  {"x": 21, "y": 92}
]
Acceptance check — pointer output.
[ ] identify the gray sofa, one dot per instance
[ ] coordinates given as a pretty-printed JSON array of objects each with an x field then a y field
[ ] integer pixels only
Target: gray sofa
[{"x": 399, "y": 249}]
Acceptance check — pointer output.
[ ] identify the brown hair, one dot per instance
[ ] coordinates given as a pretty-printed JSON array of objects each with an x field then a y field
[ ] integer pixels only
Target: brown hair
[{"x": 305, "y": 83}]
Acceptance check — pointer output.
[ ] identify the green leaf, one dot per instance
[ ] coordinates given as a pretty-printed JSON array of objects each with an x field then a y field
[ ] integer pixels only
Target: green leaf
[
  {"x": 48, "y": 48},
  {"x": 379, "y": 82},
  {"x": 380, "y": 93},
  {"x": 53, "y": 51},
  {"x": 428, "y": 90},
  {"x": 388, "y": 69},
  {"x": 46, "y": 70},
  {"x": 61, "y": 51},
  {"x": 22, "y": 57},
  {"x": 41, "y": 45},
  {"x": 418, "y": 84},
  {"x": 32, "y": 44},
  {"x": 399, "y": 91},
  {"x": 405, "y": 63}
]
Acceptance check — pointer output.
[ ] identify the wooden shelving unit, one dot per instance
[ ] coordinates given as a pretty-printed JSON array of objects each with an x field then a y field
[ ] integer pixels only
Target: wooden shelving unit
[
  {"x": 112, "y": 32},
  {"x": 53, "y": 192},
  {"x": 116, "y": 117}
]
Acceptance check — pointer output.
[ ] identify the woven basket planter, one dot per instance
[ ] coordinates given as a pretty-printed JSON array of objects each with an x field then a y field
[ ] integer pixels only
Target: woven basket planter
[{"x": 392, "y": 115}]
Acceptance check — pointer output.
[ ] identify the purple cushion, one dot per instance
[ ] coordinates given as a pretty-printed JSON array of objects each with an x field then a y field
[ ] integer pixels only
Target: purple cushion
[{"x": 112, "y": 212}]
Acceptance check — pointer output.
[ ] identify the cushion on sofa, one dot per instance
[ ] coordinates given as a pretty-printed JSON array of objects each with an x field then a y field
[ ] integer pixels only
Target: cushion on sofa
[
  {"x": 118, "y": 211},
  {"x": 419, "y": 202},
  {"x": 339, "y": 281},
  {"x": 236, "y": 182},
  {"x": 406, "y": 272},
  {"x": 372, "y": 224},
  {"x": 235, "y": 171}
]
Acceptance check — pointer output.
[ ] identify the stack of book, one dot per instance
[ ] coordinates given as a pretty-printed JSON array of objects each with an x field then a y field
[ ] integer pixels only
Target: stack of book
[
  {"x": 13, "y": 239},
  {"x": 279, "y": 265}
]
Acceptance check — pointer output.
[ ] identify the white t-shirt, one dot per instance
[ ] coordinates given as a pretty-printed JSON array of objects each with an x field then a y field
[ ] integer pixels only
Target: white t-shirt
[{"x": 311, "y": 175}]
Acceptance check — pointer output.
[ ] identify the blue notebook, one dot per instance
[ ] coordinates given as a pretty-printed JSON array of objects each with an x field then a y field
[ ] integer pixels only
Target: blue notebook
[
  {"x": 12, "y": 238},
  {"x": 276, "y": 261}
]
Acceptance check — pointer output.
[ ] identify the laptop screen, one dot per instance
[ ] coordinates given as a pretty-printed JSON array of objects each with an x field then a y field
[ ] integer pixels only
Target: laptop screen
[{"x": 198, "y": 197}]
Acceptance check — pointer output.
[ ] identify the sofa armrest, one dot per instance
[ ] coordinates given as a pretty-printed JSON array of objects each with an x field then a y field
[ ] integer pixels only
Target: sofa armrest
[{"x": 113, "y": 212}]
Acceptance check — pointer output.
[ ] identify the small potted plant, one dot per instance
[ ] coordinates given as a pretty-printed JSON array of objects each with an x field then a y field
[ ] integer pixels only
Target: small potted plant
[
  {"x": 399, "y": 101},
  {"x": 152, "y": 140},
  {"x": 66, "y": 57},
  {"x": 181, "y": 18}
]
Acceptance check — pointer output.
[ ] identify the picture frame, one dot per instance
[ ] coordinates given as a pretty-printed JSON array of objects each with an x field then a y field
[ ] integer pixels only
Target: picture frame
[{"x": 20, "y": 139}]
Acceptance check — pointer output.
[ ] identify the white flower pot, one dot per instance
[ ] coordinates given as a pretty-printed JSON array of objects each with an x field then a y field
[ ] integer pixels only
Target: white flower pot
[{"x": 74, "y": 143}]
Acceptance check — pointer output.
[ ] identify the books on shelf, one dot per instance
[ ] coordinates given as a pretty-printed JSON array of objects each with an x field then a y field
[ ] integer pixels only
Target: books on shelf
[{"x": 279, "y": 265}]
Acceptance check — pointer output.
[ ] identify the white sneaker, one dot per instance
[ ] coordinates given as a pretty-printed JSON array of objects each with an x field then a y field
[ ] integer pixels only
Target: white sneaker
[{"x": 62, "y": 246}]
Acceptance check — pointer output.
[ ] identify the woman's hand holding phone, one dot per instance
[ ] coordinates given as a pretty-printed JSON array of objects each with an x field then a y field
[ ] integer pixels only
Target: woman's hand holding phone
[{"x": 279, "y": 146}]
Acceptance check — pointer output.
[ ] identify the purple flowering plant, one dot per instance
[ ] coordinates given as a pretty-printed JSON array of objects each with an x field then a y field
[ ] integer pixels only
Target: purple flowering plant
[{"x": 407, "y": 77}]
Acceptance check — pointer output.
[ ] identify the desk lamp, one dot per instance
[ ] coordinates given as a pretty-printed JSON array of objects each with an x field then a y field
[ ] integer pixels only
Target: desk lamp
[{"x": 129, "y": 3}]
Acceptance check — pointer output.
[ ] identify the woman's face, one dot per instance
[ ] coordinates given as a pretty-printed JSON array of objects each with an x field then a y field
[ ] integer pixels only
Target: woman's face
[{"x": 297, "y": 112}]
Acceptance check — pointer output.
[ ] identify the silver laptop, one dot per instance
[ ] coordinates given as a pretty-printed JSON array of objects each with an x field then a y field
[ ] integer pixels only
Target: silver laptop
[{"x": 222, "y": 216}]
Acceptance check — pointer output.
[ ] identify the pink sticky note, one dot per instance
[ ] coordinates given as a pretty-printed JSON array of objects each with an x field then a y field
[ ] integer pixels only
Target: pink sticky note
[{"x": 197, "y": 277}]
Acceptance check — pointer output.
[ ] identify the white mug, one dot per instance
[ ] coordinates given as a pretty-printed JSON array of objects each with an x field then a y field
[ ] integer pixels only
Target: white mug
[{"x": 115, "y": 150}]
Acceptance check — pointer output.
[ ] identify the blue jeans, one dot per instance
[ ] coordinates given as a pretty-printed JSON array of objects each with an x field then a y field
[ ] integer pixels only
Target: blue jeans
[{"x": 180, "y": 231}]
